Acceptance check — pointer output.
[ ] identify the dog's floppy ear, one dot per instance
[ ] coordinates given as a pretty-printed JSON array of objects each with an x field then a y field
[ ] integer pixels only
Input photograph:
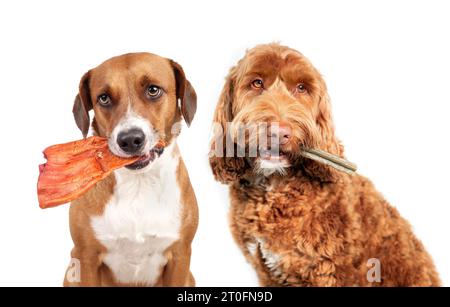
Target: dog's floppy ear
[
  {"x": 327, "y": 140},
  {"x": 82, "y": 105},
  {"x": 185, "y": 93},
  {"x": 226, "y": 169}
]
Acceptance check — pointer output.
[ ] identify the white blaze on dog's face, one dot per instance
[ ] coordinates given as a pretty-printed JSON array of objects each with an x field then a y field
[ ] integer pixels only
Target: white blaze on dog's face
[
  {"x": 135, "y": 136},
  {"x": 135, "y": 101}
]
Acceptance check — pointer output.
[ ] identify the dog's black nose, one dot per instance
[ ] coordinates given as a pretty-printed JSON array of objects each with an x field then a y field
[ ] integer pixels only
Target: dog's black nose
[{"x": 131, "y": 141}]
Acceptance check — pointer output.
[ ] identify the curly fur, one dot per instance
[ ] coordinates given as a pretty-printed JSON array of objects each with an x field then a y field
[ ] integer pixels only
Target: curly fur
[{"x": 309, "y": 225}]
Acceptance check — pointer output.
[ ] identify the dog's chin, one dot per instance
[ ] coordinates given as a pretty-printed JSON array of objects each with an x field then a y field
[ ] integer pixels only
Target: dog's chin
[{"x": 273, "y": 164}]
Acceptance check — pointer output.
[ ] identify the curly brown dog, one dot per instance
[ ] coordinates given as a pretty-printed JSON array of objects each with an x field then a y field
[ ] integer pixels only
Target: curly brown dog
[{"x": 298, "y": 222}]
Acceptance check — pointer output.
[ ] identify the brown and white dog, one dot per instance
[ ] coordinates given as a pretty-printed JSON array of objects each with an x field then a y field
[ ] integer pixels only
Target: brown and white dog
[
  {"x": 136, "y": 226},
  {"x": 298, "y": 222}
]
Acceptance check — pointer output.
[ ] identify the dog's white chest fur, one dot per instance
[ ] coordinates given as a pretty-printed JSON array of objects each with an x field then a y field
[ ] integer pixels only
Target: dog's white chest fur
[
  {"x": 141, "y": 220},
  {"x": 270, "y": 259}
]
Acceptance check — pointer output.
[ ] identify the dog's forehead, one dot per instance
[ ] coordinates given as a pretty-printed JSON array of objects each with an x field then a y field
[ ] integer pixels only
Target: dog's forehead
[
  {"x": 132, "y": 67},
  {"x": 277, "y": 61},
  {"x": 269, "y": 59}
]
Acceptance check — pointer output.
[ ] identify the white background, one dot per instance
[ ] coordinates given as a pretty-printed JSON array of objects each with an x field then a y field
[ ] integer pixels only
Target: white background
[{"x": 386, "y": 63}]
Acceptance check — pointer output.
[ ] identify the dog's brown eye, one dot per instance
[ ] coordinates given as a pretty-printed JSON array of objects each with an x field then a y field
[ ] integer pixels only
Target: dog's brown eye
[
  {"x": 154, "y": 91},
  {"x": 258, "y": 84},
  {"x": 301, "y": 88},
  {"x": 104, "y": 100}
]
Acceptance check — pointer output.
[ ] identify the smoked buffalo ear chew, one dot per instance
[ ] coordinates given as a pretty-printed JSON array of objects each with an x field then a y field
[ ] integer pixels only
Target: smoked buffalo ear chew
[{"x": 73, "y": 168}]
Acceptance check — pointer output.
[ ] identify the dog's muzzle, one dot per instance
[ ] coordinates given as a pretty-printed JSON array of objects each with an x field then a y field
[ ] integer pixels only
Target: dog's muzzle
[{"x": 133, "y": 143}]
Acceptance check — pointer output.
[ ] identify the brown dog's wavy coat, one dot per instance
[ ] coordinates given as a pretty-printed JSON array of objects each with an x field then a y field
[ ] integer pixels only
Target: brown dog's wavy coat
[{"x": 309, "y": 225}]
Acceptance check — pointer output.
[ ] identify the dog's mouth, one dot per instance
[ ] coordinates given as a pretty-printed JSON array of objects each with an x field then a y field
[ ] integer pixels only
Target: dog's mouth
[
  {"x": 146, "y": 159},
  {"x": 274, "y": 155}
]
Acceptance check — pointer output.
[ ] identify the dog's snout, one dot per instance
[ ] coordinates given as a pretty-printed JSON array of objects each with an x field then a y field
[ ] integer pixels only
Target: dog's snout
[
  {"x": 281, "y": 132},
  {"x": 131, "y": 141}
]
